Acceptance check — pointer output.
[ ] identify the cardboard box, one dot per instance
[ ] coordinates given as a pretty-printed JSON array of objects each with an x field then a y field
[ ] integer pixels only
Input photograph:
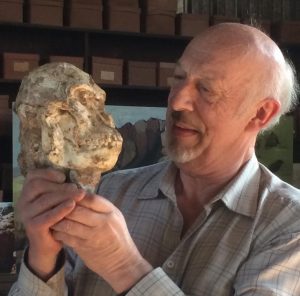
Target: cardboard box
[
  {"x": 191, "y": 24},
  {"x": 107, "y": 70},
  {"x": 122, "y": 19},
  {"x": 76, "y": 61},
  {"x": 11, "y": 11},
  {"x": 286, "y": 31},
  {"x": 165, "y": 74},
  {"x": 160, "y": 22},
  {"x": 148, "y": 5},
  {"x": 141, "y": 73},
  {"x": 4, "y": 102},
  {"x": 44, "y": 12},
  {"x": 218, "y": 19},
  {"x": 17, "y": 65},
  {"x": 84, "y": 15}
]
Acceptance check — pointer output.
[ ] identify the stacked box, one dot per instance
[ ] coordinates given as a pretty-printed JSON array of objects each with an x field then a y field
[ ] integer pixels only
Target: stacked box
[
  {"x": 141, "y": 73},
  {"x": 85, "y": 14},
  {"x": 76, "y": 61},
  {"x": 158, "y": 17},
  {"x": 44, "y": 12},
  {"x": 107, "y": 70},
  {"x": 165, "y": 74},
  {"x": 17, "y": 65},
  {"x": 274, "y": 148},
  {"x": 122, "y": 19},
  {"x": 191, "y": 24},
  {"x": 11, "y": 10},
  {"x": 4, "y": 102}
]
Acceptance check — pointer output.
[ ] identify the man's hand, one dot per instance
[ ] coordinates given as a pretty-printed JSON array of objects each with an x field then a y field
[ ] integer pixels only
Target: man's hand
[
  {"x": 97, "y": 231},
  {"x": 44, "y": 201}
]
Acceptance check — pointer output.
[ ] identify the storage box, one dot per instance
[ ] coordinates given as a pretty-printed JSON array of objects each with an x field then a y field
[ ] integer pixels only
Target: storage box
[
  {"x": 160, "y": 22},
  {"x": 148, "y": 5},
  {"x": 165, "y": 74},
  {"x": 141, "y": 73},
  {"x": 286, "y": 31},
  {"x": 4, "y": 102},
  {"x": 76, "y": 61},
  {"x": 11, "y": 10},
  {"x": 17, "y": 65},
  {"x": 84, "y": 15},
  {"x": 218, "y": 19},
  {"x": 107, "y": 70},
  {"x": 122, "y": 19},
  {"x": 44, "y": 12},
  {"x": 191, "y": 24}
]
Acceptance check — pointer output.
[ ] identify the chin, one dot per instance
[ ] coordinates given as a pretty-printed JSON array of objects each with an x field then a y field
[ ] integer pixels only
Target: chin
[{"x": 182, "y": 155}]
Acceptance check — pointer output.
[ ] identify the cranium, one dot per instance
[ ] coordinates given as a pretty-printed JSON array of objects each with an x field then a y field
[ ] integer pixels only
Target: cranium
[{"x": 63, "y": 124}]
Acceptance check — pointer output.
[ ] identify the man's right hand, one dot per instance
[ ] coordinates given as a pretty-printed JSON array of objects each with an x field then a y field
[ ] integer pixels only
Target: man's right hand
[{"x": 44, "y": 201}]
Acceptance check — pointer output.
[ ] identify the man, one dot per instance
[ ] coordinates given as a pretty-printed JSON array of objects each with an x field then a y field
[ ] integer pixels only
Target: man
[{"x": 211, "y": 222}]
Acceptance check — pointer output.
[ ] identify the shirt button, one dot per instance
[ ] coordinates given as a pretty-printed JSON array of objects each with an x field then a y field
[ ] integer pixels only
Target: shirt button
[{"x": 170, "y": 264}]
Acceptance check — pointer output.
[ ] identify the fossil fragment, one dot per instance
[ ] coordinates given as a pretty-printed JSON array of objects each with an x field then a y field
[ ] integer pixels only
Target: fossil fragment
[{"x": 63, "y": 124}]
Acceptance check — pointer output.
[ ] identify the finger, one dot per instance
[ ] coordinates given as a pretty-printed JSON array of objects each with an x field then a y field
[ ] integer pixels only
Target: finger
[
  {"x": 48, "y": 174},
  {"x": 51, "y": 217},
  {"x": 73, "y": 228},
  {"x": 36, "y": 187},
  {"x": 48, "y": 201},
  {"x": 96, "y": 203},
  {"x": 68, "y": 239},
  {"x": 84, "y": 216}
]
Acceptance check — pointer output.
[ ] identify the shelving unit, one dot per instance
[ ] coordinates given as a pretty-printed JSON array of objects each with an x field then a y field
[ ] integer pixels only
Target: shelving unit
[{"x": 49, "y": 40}]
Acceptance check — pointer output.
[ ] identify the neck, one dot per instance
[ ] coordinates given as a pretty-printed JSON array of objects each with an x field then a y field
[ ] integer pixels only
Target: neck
[{"x": 202, "y": 182}]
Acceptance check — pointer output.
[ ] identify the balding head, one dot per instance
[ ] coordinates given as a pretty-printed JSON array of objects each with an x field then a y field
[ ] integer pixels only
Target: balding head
[{"x": 257, "y": 65}]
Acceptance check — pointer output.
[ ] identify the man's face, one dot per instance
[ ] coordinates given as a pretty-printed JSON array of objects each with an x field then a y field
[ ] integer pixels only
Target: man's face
[{"x": 202, "y": 117}]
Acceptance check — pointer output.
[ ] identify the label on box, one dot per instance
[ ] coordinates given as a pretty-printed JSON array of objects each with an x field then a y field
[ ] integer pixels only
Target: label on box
[
  {"x": 107, "y": 75},
  {"x": 21, "y": 66}
]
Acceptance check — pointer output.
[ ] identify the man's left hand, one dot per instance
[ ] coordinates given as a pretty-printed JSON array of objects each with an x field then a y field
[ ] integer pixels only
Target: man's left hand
[{"x": 98, "y": 233}]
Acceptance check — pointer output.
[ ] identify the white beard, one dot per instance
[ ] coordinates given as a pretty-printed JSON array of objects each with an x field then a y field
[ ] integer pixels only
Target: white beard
[{"x": 180, "y": 154}]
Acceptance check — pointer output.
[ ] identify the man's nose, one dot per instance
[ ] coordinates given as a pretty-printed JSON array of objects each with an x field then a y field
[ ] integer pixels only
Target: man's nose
[{"x": 181, "y": 97}]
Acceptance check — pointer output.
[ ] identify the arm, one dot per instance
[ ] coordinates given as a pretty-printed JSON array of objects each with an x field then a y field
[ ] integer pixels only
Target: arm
[{"x": 44, "y": 201}]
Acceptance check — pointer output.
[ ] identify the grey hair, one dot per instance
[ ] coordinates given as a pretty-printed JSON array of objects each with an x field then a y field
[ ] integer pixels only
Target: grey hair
[{"x": 284, "y": 87}]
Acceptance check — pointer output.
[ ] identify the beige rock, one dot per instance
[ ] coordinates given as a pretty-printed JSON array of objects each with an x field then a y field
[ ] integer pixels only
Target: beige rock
[{"x": 63, "y": 124}]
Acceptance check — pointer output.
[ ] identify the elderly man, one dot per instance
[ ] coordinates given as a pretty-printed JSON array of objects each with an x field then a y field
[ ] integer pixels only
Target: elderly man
[{"x": 213, "y": 221}]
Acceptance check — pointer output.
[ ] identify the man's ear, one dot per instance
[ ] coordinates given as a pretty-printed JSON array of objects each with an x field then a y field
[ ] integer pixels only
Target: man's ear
[{"x": 265, "y": 111}]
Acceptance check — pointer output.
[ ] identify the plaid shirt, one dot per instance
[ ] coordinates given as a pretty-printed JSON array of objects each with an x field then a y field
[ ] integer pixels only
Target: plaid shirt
[{"x": 245, "y": 242}]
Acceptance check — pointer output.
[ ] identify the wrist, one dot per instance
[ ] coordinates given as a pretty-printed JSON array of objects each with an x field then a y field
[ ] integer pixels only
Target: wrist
[
  {"x": 44, "y": 266},
  {"x": 128, "y": 275}
]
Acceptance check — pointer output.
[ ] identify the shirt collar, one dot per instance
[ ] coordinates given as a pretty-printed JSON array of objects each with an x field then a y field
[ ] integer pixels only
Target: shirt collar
[{"x": 240, "y": 195}]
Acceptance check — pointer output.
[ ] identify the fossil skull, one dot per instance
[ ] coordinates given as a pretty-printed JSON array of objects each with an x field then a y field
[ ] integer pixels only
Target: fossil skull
[{"x": 63, "y": 124}]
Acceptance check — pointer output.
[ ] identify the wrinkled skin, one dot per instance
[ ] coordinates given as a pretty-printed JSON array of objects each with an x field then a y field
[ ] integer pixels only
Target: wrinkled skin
[{"x": 63, "y": 124}]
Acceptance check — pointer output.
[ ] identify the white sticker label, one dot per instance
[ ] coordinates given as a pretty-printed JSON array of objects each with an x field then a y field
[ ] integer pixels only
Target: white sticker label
[{"x": 107, "y": 75}]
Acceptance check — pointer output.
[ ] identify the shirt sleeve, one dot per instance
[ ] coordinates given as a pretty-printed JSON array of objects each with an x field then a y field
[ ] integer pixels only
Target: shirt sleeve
[
  {"x": 273, "y": 269},
  {"x": 29, "y": 284},
  {"x": 155, "y": 283}
]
